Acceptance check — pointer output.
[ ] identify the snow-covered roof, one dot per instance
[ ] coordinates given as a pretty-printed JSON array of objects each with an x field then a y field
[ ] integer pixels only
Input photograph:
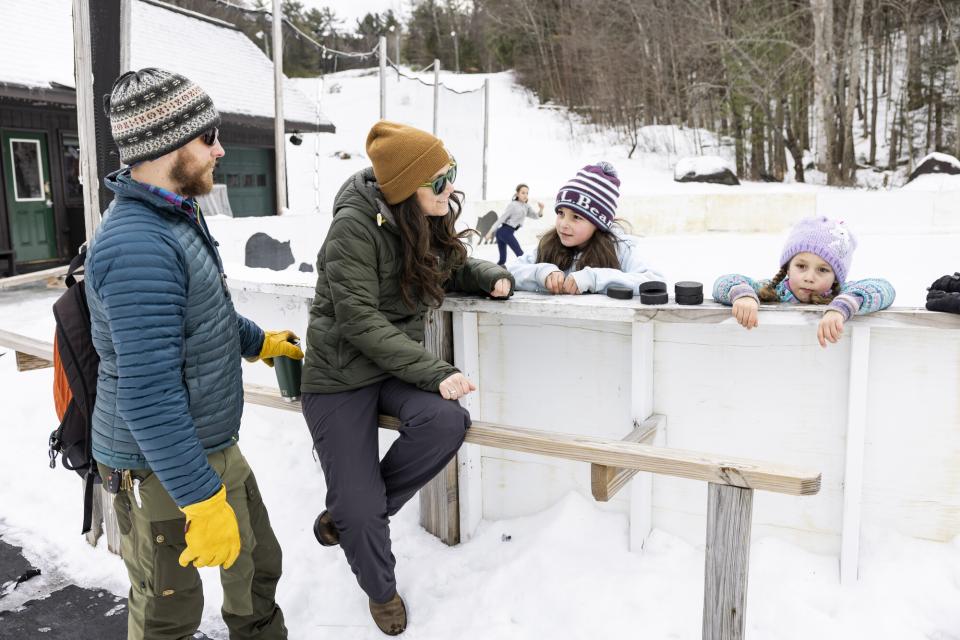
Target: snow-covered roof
[
  {"x": 36, "y": 43},
  {"x": 36, "y": 52}
]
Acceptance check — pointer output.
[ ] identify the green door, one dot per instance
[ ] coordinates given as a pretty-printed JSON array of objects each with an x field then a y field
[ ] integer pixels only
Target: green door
[
  {"x": 26, "y": 175},
  {"x": 248, "y": 174}
]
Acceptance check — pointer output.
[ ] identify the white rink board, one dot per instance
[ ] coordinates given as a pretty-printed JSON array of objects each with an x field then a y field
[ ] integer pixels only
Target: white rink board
[
  {"x": 728, "y": 391},
  {"x": 771, "y": 394},
  {"x": 911, "y": 478}
]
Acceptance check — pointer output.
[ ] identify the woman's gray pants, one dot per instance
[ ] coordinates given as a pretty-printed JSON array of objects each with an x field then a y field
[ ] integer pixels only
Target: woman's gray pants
[{"x": 364, "y": 491}]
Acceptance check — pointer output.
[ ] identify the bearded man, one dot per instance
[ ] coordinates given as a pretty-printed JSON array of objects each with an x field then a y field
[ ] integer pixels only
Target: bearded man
[{"x": 169, "y": 392}]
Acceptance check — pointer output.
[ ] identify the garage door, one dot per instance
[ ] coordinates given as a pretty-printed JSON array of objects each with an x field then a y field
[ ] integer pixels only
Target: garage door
[{"x": 248, "y": 174}]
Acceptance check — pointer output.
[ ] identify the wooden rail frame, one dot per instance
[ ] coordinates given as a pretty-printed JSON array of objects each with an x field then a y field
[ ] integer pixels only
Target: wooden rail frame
[
  {"x": 29, "y": 278},
  {"x": 732, "y": 482},
  {"x": 621, "y": 454}
]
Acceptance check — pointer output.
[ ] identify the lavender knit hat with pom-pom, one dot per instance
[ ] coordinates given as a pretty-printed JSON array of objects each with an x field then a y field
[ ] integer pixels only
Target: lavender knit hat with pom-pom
[
  {"x": 831, "y": 240},
  {"x": 592, "y": 193}
]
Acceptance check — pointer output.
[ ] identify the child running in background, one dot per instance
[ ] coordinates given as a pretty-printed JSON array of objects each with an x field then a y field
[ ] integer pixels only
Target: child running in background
[
  {"x": 814, "y": 266},
  {"x": 511, "y": 220},
  {"x": 587, "y": 250}
]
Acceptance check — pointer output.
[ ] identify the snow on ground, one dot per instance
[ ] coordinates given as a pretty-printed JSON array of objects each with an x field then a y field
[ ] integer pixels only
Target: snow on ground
[{"x": 564, "y": 573}]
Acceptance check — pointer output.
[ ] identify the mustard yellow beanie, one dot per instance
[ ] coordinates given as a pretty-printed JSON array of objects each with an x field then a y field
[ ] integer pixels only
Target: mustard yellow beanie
[{"x": 403, "y": 158}]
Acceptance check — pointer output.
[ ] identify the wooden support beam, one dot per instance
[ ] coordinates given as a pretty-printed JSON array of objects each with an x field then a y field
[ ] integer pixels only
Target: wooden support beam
[
  {"x": 737, "y": 472},
  {"x": 27, "y": 362},
  {"x": 606, "y": 481},
  {"x": 729, "y": 516}
]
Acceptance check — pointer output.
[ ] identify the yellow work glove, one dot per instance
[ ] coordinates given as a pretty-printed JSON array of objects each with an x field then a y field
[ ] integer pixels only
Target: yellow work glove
[
  {"x": 212, "y": 534},
  {"x": 278, "y": 343}
]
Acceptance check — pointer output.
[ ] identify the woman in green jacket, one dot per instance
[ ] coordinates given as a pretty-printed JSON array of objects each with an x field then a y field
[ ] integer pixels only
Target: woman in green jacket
[{"x": 390, "y": 254}]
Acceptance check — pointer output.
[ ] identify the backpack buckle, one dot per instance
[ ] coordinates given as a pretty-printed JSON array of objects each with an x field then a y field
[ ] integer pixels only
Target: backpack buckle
[{"x": 54, "y": 444}]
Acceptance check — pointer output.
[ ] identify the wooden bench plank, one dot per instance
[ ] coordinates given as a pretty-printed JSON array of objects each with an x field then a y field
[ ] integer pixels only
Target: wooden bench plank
[
  {"x": 737, "y": 472},
  {"x": 36, "y": 276},
  {"x": 24, "y": 344},
  {"x": 606, "y": 481}
]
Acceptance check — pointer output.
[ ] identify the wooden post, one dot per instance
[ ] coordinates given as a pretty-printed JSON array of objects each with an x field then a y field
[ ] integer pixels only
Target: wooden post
[
  {"x": 125, "y": 18},
  {"x": 729, "y": 516},
  {"x": 83, "y": 62},
  {"x": 439, "y": 498},
  {"x": 279, "y": 142}
]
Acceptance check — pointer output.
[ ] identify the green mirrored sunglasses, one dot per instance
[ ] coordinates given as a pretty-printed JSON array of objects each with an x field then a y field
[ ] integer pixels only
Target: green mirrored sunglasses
[{"x": 439, "y": 183}]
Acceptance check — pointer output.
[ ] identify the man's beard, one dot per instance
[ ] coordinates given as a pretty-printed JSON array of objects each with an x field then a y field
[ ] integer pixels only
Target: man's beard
[{"x": 193, "y": 181}]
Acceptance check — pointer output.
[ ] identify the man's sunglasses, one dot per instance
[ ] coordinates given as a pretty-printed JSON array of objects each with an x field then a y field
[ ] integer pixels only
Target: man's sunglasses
[
  {"x": 439, "y": 183},
  {"x": 210, "y": 136}
]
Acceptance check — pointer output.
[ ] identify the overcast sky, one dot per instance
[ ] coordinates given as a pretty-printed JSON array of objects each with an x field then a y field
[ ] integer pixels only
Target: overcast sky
[{"x": 352, "y": 10}]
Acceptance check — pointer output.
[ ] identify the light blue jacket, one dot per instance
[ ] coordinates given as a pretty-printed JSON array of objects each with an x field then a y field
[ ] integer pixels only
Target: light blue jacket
[
  {"x": 531, "y": 275},
  {"x": 169, "y": 390},
  {"x": 855, "y": 297}
]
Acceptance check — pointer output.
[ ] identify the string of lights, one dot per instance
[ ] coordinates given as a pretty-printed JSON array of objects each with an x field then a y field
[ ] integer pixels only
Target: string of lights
[{"x": 430, "y": 84}]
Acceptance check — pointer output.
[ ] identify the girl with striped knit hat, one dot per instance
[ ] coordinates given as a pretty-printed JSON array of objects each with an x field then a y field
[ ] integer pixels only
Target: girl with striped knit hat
[
  {"x": 813, "y": 270},
  {"x": 587, "y": 250}
]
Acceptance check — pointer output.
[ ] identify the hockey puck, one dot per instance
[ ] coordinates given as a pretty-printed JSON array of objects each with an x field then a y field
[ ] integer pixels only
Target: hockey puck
[
  {"x": 653, "y": 286},
  {"x": 654, "y": 297},
  {"x": 619, "y": 292},
  {"x": 688, "y": 289},
  {"x": 690, "y": 299}
]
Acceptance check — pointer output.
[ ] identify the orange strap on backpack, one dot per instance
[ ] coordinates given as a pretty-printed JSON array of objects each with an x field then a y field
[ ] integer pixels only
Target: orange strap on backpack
[{"x": 62, "y": 395}]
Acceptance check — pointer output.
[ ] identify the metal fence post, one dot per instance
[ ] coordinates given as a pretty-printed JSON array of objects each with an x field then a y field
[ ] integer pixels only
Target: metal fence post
[
  {"x": 383, "y": 77},
  {"x": 486, "y": 134},
  {"x": 436, "y": 93}
]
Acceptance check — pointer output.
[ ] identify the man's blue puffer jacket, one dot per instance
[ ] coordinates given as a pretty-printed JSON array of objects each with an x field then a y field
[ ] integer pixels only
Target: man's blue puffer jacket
[{"x": 169, "y": 390}]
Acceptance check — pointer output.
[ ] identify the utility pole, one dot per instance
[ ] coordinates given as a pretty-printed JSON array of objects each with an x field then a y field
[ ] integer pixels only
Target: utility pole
[{"x": 278, "y": 124}]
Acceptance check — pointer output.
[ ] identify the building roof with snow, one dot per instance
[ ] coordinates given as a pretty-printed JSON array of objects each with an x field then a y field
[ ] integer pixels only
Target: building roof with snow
[{"x": 37, "y": 59}]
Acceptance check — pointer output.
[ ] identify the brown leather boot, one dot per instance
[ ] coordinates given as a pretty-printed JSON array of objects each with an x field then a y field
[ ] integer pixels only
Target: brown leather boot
[
  {"x": 390, "y": 616},
  {"x": 325, "y": 531}
]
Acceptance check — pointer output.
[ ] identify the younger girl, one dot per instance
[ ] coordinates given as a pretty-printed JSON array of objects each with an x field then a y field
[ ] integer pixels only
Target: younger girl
[
  {"x": 814, "y": 266},
  {"x": 587, "y": 251},
  {"x": 512, "y": 219}
]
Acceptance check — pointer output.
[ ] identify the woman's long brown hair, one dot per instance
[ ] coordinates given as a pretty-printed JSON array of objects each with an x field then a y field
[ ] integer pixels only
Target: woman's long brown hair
[
  {"x": 431, "y": 249},
  {"x": 599, "y": 251},
  {"x": 768, "y": 293}
]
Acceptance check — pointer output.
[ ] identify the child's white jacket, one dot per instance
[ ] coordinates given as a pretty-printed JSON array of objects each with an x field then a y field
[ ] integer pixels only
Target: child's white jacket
[{"x": 531, "y": 275}]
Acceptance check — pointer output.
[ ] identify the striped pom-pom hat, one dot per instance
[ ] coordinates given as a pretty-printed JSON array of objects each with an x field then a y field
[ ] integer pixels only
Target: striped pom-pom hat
[
  {"x": 153, "y": 112},
  {"x": 592, "y": 193}
]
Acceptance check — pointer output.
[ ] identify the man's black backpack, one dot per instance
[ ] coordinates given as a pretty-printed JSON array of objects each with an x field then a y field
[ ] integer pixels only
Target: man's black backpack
[{"x": 76, "y": 361}]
